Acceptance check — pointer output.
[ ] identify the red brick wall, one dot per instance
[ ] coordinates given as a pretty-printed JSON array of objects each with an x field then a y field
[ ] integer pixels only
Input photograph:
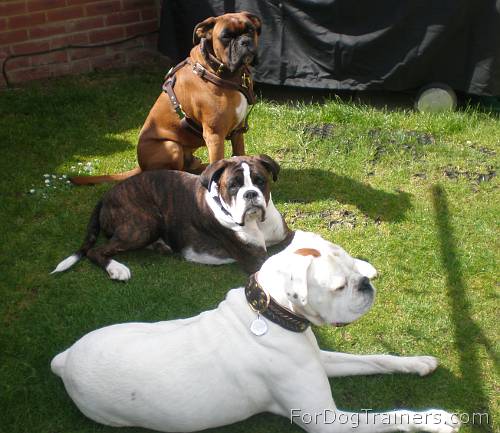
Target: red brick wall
[{"x": 39, "y": 25}]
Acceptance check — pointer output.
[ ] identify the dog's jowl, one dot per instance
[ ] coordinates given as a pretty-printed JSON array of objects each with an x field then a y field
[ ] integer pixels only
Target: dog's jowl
[
  {"x": 218, "y": 368},
  {"x": 224, "y": 215}
]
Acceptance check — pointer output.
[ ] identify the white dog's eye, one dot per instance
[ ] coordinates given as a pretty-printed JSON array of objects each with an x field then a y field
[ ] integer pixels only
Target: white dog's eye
[{"x": 338, "y": 283}]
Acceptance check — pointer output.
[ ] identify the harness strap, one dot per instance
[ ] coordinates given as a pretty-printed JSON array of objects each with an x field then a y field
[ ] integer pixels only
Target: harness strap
[{"x": 246, "y": 88}]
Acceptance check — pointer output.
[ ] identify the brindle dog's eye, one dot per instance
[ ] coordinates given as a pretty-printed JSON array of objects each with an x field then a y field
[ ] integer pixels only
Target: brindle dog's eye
[
  {"x": 259, "y": 181},
  {"x": 342, "y": 287},
  {"x": 234, "y": 184}
]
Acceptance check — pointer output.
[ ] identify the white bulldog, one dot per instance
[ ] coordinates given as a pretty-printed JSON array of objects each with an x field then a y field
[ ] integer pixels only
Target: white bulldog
[{"x": 230, "y": 363}]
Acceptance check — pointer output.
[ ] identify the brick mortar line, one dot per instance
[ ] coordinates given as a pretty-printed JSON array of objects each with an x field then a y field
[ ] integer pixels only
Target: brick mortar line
[{"x": 78, "y": 33}]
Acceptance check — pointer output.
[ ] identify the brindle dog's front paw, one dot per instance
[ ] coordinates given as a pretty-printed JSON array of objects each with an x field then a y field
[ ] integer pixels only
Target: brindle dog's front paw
[{"x": 117, "y": 271}]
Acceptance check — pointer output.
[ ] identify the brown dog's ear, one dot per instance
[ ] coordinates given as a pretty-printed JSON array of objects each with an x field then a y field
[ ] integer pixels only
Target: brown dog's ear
[
  {"x": 213, "y": 173},
  {"x": 256, "y": 21},
  {"x": 203, "y": 30},
  {"x": 270, "y": 165}
]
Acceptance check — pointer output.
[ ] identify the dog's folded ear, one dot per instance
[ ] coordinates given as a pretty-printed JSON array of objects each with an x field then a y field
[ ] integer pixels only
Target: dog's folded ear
[
  {"x": 213, "y": 173},
  {"x": 270, "y": 165},
  {"x": 299, "y": 264},
  {"x": 256, "y": 21},
  {"x": 203, "y": 30},
  {"x": 365, "y": 268}
]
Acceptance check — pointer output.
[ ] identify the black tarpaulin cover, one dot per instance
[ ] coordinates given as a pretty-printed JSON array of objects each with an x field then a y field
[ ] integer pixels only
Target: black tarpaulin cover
[{"x": 359, "y": 44}]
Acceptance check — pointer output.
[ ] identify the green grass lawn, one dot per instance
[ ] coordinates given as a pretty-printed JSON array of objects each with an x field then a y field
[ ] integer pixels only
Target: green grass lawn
[{"x": 415, "y": 194}]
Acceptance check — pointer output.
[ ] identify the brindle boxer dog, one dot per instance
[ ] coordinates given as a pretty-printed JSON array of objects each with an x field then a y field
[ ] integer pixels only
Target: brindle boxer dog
[
  {"x": 224, "y": 46},
  {"x": 224, "y": 215}
]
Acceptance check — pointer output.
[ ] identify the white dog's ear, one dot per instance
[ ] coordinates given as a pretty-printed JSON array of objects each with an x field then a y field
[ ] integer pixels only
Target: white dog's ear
[
  {"x": 365, "y": 269},
  {"x": 298, "y": 268}
]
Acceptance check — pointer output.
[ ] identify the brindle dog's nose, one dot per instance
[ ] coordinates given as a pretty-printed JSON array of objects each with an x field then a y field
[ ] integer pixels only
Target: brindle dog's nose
[
  {"x": 250, "y": 195},
  {"x": 364, "y": 285}
]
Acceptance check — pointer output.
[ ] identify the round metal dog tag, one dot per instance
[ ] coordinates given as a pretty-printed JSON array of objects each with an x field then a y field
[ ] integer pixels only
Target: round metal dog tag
[{"x": 258, "y": 327}]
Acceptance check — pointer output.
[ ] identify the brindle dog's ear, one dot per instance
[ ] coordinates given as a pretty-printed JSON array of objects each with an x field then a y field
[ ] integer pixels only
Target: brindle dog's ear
[
  {"x": 270, "y": 165},
  {"x": 256, "y": 21},
  {"x": 203, "y": 30},
  {"x": 213, "y": 173}
]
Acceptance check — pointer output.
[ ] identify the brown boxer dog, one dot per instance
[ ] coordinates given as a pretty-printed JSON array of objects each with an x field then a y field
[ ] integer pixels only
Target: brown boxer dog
[
  {"x": 224, "y": 215},
  {"x": 211, "y": 90}
]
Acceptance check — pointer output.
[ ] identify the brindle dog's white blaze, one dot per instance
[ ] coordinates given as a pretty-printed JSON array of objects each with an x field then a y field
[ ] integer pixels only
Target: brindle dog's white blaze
[{"x": 239, "y": 204}]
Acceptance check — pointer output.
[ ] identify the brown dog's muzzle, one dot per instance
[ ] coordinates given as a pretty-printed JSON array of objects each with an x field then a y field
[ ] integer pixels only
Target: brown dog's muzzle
[{"x": 242, "y": 51}]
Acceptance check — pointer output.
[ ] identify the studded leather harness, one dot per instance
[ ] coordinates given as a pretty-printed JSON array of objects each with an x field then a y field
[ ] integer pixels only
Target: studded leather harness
[{"x": 246, "y": 88}]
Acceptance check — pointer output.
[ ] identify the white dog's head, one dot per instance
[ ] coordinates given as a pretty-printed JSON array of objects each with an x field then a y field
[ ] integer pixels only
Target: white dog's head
[{"x": 324, "y": 283}]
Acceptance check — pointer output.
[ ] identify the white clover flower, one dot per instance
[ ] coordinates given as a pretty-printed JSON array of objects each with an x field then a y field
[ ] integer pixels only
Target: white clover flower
[
  {"x": 46, "y": 175},
  {"x": 73, "y": 167},
  {"x": 47, "y": 181},
  {"x": 32, "y": 191},
  {"x": 80, "y": 163},
  {"x": 54, "y": 176},
  {"x": 64, "y": 176},
  {"x": 68, "y": 181}
]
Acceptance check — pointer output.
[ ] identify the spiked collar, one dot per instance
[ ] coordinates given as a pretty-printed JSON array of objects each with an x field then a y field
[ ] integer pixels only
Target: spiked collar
[{"x": 261, "y": 302}]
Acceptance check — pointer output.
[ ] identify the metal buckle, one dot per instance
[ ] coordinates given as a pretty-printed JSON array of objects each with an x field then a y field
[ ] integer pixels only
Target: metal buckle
[
  {"x": 199, "y": 70},
  {"x": 220, "y": 69},
  {"x": 180, "y": 111},
  {"x": 246, "y": 80}
]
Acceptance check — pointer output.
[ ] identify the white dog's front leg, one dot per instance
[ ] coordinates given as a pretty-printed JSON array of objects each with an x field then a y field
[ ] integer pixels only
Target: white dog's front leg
[
  {"x": 343, "y": 364},
  {"x": 337, "y": 421}
]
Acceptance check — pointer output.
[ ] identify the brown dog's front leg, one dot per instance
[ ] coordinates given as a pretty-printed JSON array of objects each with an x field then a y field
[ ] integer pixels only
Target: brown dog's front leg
[
  {"x": 215, "y": 145},
  {"x": 238, "y": 144}
]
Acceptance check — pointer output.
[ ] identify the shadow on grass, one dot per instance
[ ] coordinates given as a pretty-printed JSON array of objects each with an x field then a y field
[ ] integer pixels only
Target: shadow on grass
[
  {"x": 50, "y": 124},
  {"x": 393, "y": 101},
  {"x": 468, "y": 335},
  {"x": 310, "y": 185}
]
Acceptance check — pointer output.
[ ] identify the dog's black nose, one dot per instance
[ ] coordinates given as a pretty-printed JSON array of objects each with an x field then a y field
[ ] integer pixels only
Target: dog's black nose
[
  {"x": 245, "y": 41},
  {"x": 364, "y": 285},
  {"x": 250, "y": 195}
]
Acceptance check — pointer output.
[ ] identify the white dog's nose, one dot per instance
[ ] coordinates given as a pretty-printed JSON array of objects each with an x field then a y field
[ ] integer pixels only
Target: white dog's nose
[{"x": 364, "y": 285}]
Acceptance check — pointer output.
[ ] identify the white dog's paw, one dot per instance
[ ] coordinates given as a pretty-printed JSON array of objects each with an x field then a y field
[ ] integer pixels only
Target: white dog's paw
[
  {"x": 440, "y": 421},
  {"x": 422, "y": 365},
  {"x": 117, "y": 271}
]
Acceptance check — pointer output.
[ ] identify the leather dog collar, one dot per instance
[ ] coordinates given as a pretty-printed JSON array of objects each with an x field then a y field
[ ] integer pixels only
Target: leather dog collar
[
  {"x": 261, "y": 302},
  {"x": 217, "y": 66}
]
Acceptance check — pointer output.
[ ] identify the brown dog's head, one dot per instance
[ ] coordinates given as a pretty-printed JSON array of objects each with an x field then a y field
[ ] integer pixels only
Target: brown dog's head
[
  {"x": 242, "y": 184},
  {"x": 233, "y": 37}
]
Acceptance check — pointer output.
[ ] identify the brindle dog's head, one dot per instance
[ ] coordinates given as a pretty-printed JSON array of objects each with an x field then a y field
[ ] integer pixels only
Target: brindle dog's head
[
  {"x": 243, "y": 184},
  {"x": 233, "y": 37}
]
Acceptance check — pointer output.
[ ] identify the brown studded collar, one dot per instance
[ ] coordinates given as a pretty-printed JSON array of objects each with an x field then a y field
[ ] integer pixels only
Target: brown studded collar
[{"x": 261, "y": 302}]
